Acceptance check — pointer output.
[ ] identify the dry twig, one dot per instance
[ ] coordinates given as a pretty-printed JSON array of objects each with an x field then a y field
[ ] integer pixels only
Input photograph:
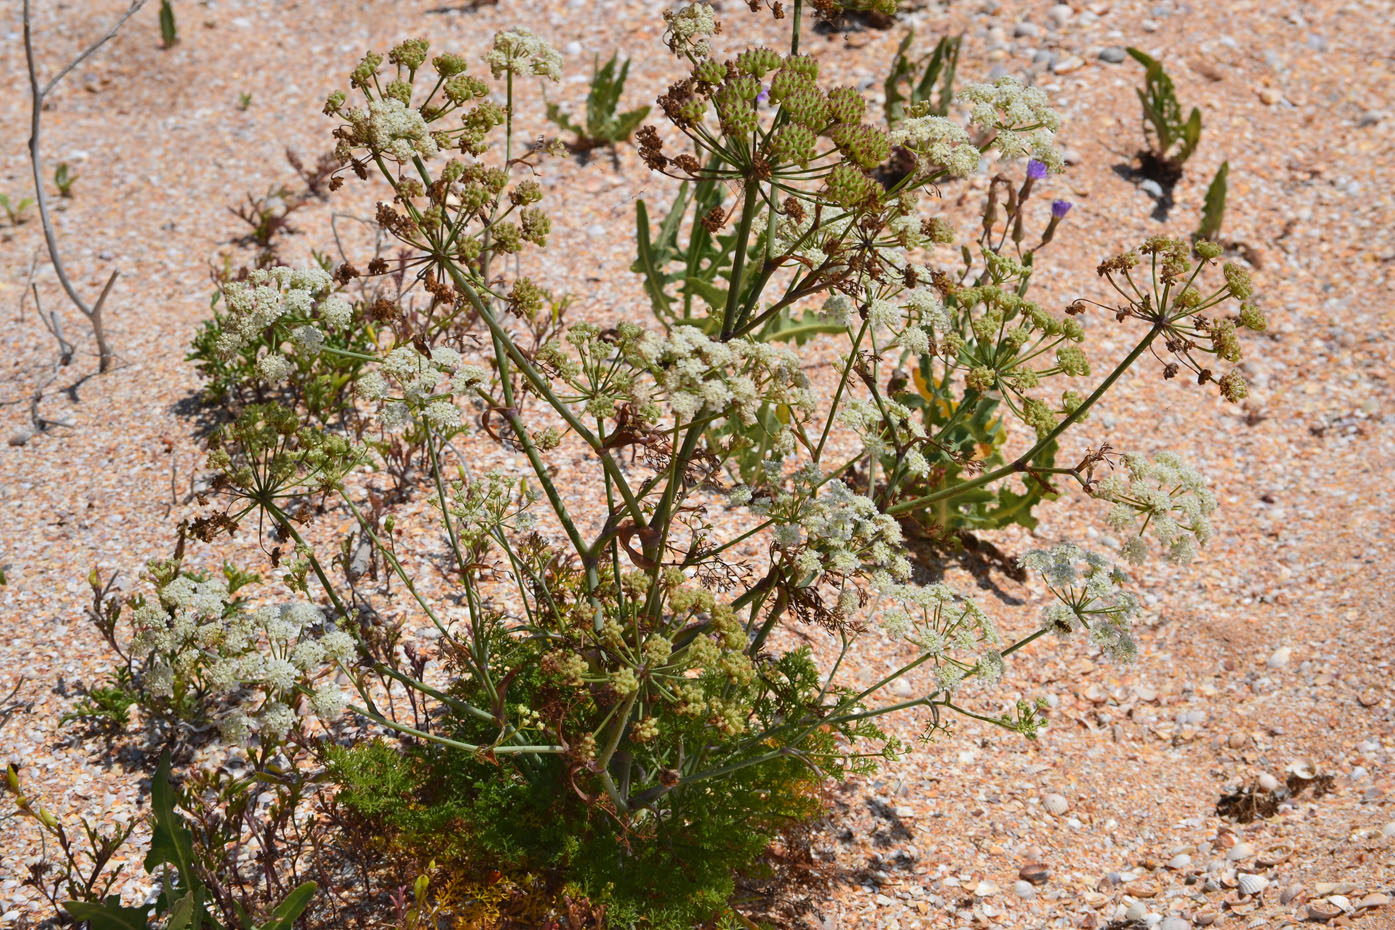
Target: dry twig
[{"x": 93, "y": 312}]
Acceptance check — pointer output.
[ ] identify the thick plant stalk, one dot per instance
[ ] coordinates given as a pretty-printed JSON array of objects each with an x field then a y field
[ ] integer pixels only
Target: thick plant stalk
[{"x": 37, "y": 95}]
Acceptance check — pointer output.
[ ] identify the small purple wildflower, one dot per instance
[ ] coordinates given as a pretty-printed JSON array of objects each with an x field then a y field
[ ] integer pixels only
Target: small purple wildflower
[
  {"x": 1059, "y": 208},
  {"x": 1036, "y": 170},
  {"x": 763, "y": 97}
]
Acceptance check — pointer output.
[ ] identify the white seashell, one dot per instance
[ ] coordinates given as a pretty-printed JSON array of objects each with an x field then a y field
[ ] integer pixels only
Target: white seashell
[
  {"x": 1055, "y": 804},
  {"x": 1268, "y": 782},
  {"x": 1251, "y": 884},
  {"x": 1305, "y": 769},
  {"x": 1240, "y": 851}
]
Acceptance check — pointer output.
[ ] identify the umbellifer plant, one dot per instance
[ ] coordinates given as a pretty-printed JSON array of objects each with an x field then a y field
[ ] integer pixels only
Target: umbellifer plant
[{"x": 618, "y": 688}]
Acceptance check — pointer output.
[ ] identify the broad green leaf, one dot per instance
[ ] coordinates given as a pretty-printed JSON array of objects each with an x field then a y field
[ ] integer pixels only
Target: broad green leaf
[
  {"x": 290, "y": 909},
  {"x": 108, "y": 915},
  {"x": 170, "y": 840}
]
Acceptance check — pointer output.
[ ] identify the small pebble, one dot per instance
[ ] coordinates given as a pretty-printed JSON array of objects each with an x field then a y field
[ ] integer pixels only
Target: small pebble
[
  {"x": 1288, "y": 894},
  {"x": 1179, "y": 862},
  {"x": 1068, "y": 64},
  {"x": 1113, "y": 55},
  {"x": 1388, "y": 831},
  {"x": 1151, "y": 188},
  {"x": 1026, "y": 30},
  {"x": 20, "y": 436},
  {"x": 1137, "y": 911},
  {"x": 1023, "y": 889},
  {"x": 1268, "y": 782},
  {"x": 1060, "y": 14},
  {"x": 1279, "y": 658},
  {"x": 1205, "y": 918},
  {"x": 1035, "y": 872},
  {"x": 1055, "y": 804}
]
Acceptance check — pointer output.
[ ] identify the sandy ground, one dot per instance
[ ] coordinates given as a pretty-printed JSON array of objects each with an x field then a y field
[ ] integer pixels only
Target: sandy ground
[{"x": 1271, "y": 650}]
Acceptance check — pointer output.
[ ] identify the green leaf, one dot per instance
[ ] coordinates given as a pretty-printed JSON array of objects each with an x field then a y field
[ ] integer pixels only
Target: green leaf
[
  {"x": 170, "y": 840},
  {"x": 168, "y": 33},
  {"x": 108, "y": 915},
  {"x": 290, "y": 909},
  {"x": 1213, "y": 212},
  {"x": 187, "y": 913},
  {"x": 714, "y": 296},
  {"x": 627, "y": 123},
  {"x": 646, "y": 265}
]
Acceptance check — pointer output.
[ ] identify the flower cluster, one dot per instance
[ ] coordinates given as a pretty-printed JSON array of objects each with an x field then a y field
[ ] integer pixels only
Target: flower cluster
[
  {"x": 689, "y": 29},
  {"x": 823, "y": 527},
  {"x": 1089, "y": 596},
  {"x": 1175, "y": 305},
  {"x": 282, "y": 306},
  {"x": 700, "y": 377},
  {"x": 519, "y": 51},
  {"x": 197, "y": 641},
  {"x": 1020, "y": 116},
  {"x": 410, "y": 387},
  {"x": 951, "y": 631},
  {"x": 1164, "y": 497}
]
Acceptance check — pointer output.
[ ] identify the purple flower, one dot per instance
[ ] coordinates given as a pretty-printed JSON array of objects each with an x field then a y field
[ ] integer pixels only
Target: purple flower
[
  {"x": 1036, "y": 170},
  {"x": 1059, "y": 208},
  {"x": 763, "y": 97}
]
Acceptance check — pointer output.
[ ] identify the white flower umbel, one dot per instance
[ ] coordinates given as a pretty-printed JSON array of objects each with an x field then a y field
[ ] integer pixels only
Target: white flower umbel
[
  {"x": 519, "y": 51},
  {"x": 1164, "y": 498},
  {"x": 1089, "y": 596},
  {"x": 254, "y": 664}
]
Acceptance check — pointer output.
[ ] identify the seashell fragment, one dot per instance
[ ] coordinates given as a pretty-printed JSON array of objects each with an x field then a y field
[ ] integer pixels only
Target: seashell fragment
[{"x": 1251, "y": 884}]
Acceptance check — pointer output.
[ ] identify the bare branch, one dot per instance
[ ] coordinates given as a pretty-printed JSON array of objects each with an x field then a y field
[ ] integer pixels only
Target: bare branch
[{"x": 37, "y": 95}]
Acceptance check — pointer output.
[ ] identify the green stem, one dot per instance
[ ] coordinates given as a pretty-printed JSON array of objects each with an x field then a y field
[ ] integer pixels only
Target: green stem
[{"x": 1024, "y": 460}]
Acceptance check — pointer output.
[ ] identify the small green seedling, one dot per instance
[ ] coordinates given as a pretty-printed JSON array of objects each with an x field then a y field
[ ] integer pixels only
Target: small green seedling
[
  {"x": 935, "y": 88},
  {"x": 1213, "y": 211},
  {"x": 604, "y": 126},
  {"x": 244, "y": 101},
  {"x": 169, "y": 33},
  {"x": 15, "y": 211},
  {"x": 1171, "y": 140},
  {"x": 63, "y": 179}
]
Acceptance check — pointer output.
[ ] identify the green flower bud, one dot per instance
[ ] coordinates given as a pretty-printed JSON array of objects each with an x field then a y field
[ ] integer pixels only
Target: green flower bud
[
  {"x": 981, "y": 379},
  {"x": 463, "y": 87},
  {"x": 710, "y": 71},
  {"x": 757, "y": 61},
  {"x": 845, "y": 105},
  {"x": 794, "y": 143},
  {"x": 1233, "y": 387},
  {"x": 804, "y": 65},
  {"x": 1207, "y": 250},
  {"x": 1251, "y": 317},
  {"x": 362, "y": 75},
  {"x": 849, "y": 187},
  {"x": 1073, "y": 361},
  {"x": 865, "y": 146},
  {"x": 1038, "y": 416},
  {"x": 1237, "y": 279},
  {"x": 409, "y": 54}
]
